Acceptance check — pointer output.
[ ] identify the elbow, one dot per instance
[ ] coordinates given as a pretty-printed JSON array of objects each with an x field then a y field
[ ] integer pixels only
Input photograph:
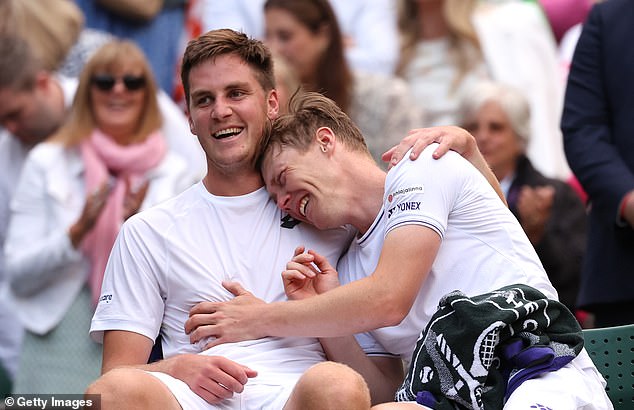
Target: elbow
[{"x": 393, "y": 311}]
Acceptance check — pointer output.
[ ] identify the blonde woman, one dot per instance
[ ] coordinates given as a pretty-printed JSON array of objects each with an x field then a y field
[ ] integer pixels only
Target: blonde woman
[{"x": 106, "y": 163}]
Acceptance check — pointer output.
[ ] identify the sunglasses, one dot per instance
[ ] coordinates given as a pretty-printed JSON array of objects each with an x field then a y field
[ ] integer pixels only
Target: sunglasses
[{"x": 106, "y": 82}]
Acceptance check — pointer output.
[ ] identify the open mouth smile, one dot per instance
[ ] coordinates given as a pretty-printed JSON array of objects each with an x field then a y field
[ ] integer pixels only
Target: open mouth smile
[
  {"x": 226, "y": 133},
  {"x": 302, "y": 206}
]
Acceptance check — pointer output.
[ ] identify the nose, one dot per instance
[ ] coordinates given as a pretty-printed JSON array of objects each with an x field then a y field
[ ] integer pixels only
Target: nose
[
  {"x": 283, "y": 201},
  {"x": 221, "y": 109}
]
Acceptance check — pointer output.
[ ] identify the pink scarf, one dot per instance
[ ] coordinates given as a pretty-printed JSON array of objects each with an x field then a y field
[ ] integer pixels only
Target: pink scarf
[{"x": 103, "y": 157}]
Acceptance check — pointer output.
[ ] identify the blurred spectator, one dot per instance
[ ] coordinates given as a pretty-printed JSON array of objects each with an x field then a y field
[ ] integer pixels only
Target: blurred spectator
[
  {"x": 286, "y": 82},
  {"x": 52, "y": 30},
  {"x": 368, "y": 28},
  {"x": 550, "y": 212},
  {"x": 108, "y": 161},
  {"x": 55, "y": 32},
  {"x": 598, "y": 129},
  {"x": 158, "y": 37},
  {"x": 449, "y": 45},
  {"x": 306, "y": 34}
]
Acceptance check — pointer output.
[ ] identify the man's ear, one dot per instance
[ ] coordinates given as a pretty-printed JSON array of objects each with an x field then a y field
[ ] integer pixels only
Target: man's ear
[
  {"x": 192, "y": 127},
  {"x": 273, "y": 104},
  {"x": 325, "y": 138}
]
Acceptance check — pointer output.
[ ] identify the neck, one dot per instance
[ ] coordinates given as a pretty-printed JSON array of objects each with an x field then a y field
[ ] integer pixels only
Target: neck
[
  {"x": 225, "y": 183},
  {"x": 366, "y": 184},
  {"x": 431, "y": 20}
]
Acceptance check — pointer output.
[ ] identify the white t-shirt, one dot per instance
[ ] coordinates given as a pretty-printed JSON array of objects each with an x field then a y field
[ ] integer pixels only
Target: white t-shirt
[
  {"x": 483, "y": 246},
  {"x": 175, "y": 255}
]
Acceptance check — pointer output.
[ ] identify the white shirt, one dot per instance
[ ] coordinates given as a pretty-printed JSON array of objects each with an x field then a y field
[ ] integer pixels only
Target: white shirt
[
  {"x": 483, "y": 246},
  {"x": 45, "y": 272},
  {"x": 12, "y": 154},
  {"x": 175, "y": 255}
]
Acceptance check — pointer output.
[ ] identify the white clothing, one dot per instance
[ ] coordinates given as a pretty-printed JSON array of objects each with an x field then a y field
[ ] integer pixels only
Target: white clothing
[
  {"x": 519, "y": 49},
  {"x": 175, "y": 128},
  {"x": 577, "y": 385},
  {"x": 431, "y": 76},
  {"x": 369, "y": 24},
  {"x": 175, "y": 255},
  {"x": 483, "y": 248},
  {"x": 255, "y": 396},
  {"x": 12, "y": 155},
  {"x": 45, "y": 272}
]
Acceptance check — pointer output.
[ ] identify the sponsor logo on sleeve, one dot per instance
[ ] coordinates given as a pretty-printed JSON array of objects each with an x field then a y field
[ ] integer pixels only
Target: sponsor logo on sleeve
[
  {"x": 405, "y": 206},
  {"x": 417, "y": 189},
  {"x": 107, "y": 298}
]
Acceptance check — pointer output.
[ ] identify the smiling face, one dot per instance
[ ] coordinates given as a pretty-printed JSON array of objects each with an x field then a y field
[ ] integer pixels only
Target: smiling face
[
  {"x": 228, "y": 110},
  {"x": 118, "y": 110},
  {"x": 302, "y": 184}
]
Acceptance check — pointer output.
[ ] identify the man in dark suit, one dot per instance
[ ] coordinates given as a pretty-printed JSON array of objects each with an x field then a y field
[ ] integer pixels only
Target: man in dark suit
[{"x": 598, "y": 129}]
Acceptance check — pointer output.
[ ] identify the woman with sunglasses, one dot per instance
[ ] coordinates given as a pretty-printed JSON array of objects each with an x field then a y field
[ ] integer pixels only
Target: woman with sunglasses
[{"x": 105, "y": 164}]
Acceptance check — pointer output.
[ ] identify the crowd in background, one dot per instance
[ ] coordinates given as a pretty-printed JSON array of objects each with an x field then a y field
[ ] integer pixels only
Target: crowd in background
[{"x": 90, "y": 92}]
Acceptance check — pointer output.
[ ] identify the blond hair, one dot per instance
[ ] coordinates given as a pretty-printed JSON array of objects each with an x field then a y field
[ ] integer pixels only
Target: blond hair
[
  {"x": 108, "y": 58},
  {"x": 463, "y": 38}
]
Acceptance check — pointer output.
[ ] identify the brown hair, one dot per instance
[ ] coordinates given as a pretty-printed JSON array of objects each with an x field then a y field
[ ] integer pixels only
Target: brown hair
[
  {"x": 81, "y": 121},
  {"x": 334, "y": 77},
  {"x": 309, "y": 111},
  {"x": 225, "y": 41}
]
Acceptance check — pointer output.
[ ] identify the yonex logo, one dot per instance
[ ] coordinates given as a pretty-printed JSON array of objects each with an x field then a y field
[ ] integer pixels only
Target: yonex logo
[{"x": 405, "y": 206}]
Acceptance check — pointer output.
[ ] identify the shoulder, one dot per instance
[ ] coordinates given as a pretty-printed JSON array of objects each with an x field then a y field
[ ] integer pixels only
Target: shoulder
[
  {"x": 51, "y": 153},
  {"x": 159, "y": 220}
]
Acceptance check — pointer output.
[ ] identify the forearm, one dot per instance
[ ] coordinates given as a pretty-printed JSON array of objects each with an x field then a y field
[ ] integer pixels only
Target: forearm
[
  {"x": 383, "y": 376},
  {"x": 354, "y": 308},
  {"x": 33, "y": 266},
  {"x": 381, "y": 299},
  {"x": 167, "y": 366}
]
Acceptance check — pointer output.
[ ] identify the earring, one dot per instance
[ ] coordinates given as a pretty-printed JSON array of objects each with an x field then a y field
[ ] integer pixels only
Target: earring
[{"x": 323, "y": 148}]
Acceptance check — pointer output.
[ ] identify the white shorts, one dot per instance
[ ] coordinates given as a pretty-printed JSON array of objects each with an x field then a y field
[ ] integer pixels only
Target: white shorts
[
  {"x": 577, "y": 385},
  {"x": 255, "y": 395}
]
